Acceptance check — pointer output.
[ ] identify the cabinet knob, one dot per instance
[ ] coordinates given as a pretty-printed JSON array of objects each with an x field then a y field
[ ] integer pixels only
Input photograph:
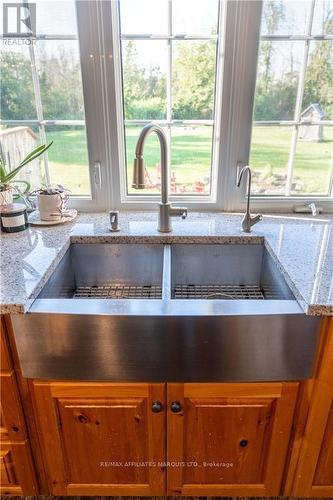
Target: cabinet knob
[
  {"x": 156, "y": 407},
  {"x": 243, "y": 443},
  {"x": 176, "y": 407}
]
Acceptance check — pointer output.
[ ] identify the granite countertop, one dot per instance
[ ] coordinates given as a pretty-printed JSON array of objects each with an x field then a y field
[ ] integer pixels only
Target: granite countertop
[{"x": 302, "y": 248}]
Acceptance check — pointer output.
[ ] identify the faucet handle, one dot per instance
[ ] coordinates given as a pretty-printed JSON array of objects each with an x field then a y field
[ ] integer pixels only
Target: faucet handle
[{"x": 255, "y": 219}]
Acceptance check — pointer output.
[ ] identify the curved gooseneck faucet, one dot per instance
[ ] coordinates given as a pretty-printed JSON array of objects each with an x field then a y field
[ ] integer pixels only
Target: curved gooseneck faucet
[
  {"x": 248, "y": 221},
  {"x": 166, "y": 210}
]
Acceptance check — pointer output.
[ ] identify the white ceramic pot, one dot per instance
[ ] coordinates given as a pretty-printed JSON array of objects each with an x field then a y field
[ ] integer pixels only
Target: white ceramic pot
[
  {"x": 6, "y": 197},
  {"x": 51, "y": 206}
]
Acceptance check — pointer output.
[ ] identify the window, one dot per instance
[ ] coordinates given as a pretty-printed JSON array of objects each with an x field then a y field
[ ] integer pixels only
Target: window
[
  {"x": 231, "y": 82},
  {"x": 168, "y": 75},
  {"x": 292, "y": 136},
  {"x": 41, "y": 89}
]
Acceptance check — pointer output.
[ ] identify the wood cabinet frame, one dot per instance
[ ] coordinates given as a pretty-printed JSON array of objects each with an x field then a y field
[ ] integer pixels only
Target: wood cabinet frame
[
  {"x": 281, "y": 395},
  {"x": 315, "y": 403},
  {"x": 47, "y": 397}
]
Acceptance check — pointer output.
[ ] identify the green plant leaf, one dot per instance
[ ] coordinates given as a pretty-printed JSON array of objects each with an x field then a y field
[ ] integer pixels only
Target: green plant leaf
[
  {"x": 35, "y": 153},
  {"x": 3, "y": 173},
  {"x": 31, "y": 156}
]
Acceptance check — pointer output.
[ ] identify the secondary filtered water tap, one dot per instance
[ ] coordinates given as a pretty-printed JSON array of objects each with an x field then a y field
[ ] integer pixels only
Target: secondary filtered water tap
[{"x": 248, "y": 221}]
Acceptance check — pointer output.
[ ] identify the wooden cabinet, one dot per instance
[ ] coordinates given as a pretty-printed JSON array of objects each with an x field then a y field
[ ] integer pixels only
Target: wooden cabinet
[
  {"x": 17, "y": 475},
  {"x": 313, "y": 474},
  {"x": 323, "y": 478},
  {"x": 109, "y": 439},
  {"x": 228, "y": 439},
  {"x": 102, "y": 439},
  {"x": 192, "y": 439}
]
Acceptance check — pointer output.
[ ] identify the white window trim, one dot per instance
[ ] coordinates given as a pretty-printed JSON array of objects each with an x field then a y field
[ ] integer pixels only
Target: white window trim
[
  {"x": 123, "y": 200},
  {"x": 243, "y": 37},
  {"x": 235, "y": 88}
]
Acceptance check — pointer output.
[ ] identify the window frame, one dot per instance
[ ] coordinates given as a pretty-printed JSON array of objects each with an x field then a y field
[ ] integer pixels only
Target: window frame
[
  {"x": 245, "y": 19},
  {"x": 237, "y": 58},
  {"x": 122, "y": 199}
]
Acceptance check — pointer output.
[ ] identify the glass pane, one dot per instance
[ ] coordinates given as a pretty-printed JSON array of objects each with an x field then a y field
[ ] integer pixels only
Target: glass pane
[
  {"x": 152, "y": 161},
  {"x": 59, "y": 72},
  {"x": 144, "y": 17},
  {"x": 313, "y": 161},
  {"x": 318, "y": 89},
  {"x": 191, "y": 159},
  {"x": 16, "y": 142},
  {"x": 194, "y": 17},
  {"x": 60, "y": 97},
  {"x": 17, "y": 94},
  {"x": 191, "y": 149},
  {"x": 323, "y": 18},
  {"x": 284, "y": 17},
  {"x": 68, "y": 158},
  {"x": 144, "y": 79},
  {"x": 193, "y": 79},
  {"x": 277, "y": 80},
  {"x": 269, "y": 159},
  {"x": 54, "y": 17}
]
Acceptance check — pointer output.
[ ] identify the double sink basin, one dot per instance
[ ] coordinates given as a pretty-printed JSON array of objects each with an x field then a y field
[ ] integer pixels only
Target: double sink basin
[{"x": 182, "y": 312}]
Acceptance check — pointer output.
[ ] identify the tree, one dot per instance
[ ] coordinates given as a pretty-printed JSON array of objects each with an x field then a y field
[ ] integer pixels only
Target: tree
[
  {"x": 193, "y": 80},
  {"x": 273, "y": 14},
  {"x": 319, "y": 76},
  {"x": 17, "y": 96},
  {"x": 144, "y": 89},
  {"x": 60, "y": 84}
]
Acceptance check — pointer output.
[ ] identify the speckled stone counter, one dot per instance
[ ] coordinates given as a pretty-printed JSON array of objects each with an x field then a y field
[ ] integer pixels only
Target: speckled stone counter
[{"x": 301, "y": 247}]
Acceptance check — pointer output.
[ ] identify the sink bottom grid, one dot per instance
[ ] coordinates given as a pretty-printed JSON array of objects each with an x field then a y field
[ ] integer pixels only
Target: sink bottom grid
[
  {"x": 232, "y": 292},
  {"x": 118, "y": 291}
]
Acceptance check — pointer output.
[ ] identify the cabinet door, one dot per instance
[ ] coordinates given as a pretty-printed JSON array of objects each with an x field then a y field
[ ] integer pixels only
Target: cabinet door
[
  {"x": 313, "y": 476},
  {"x": 323, "y": 478},
  {"x": 17, "y": 476},
  {"x": 101, "y": 438},
  {"x": 228, "y": 439}
]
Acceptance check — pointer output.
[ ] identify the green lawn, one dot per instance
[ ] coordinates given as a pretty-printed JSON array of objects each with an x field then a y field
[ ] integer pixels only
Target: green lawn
[{"x": 191, "y": 157}]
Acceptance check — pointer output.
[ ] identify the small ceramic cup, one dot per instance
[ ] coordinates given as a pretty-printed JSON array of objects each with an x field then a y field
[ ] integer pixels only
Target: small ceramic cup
[{"x": 52, "y": 206}]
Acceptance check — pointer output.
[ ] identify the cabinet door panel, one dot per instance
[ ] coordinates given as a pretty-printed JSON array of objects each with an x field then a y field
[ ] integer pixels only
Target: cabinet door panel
[
  {"x": 104, "y": 432},
  {"x": 228, "y": 438},
  {"x": 5, "y": 357},
  {"x": 227, "y": 444},
  {"x": 324, "y": 470},
  {"x": 103, "y": 436},
  {"x": 16, "y": 472},
  {"x": 12, "y": 414}
]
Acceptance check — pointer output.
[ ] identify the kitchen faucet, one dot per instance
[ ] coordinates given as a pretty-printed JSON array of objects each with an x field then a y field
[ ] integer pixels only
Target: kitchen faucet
[
  {"x": 248, "y": 221},
  {"x": 166, "y": 210}
]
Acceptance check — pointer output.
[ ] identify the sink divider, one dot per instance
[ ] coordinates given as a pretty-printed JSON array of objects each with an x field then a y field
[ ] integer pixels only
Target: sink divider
[{"x": 166, "y": 276}]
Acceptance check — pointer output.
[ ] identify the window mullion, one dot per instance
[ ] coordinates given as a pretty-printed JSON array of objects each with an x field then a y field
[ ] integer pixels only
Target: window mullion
[
  {"x": 39, "y": 109},
  {"x": 299, "y": 100},
  {"x": 169, "y": 84}
]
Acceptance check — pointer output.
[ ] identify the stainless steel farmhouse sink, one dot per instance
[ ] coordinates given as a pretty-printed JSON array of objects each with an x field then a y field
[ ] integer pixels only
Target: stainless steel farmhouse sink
[
  {"x": 181, "y": 312},
  {"x": 234, "y": 272},
  {"x": 108, "y": 271}
]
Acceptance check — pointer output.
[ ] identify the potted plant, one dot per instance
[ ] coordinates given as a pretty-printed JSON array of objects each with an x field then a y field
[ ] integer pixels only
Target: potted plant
[
  {"x": 51, "y": 201},
  {"x": 6, "y": 177}
]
